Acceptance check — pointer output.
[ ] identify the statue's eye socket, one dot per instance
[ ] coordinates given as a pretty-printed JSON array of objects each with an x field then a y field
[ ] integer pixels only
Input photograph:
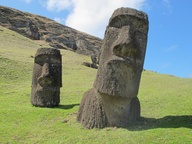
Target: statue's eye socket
[
  {"x": 121, "y": 21},
  {"x": 116, "y": 24},
  {"x": 41, "y": 59}
]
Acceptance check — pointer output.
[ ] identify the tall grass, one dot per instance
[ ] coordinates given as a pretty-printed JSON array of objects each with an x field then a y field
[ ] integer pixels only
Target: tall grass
[{"x": 165, "y": 102}]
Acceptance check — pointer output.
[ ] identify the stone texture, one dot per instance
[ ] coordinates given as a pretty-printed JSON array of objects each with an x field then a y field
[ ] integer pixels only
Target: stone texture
[
  {"x": 41, "y": 28},
  {"x": 118, "y": 77},
  {"x": 47, "y": 78},
  {"x": 91, "y": 111}
]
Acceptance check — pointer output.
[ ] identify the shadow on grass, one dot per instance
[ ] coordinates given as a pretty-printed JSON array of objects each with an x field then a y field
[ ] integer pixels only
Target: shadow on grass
[
  {"x": 66, "y": 106},
  {"x": 184, "y": 121}
]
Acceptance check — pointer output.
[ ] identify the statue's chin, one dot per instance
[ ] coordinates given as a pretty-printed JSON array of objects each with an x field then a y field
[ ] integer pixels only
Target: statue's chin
[{"x": 45, "y": 96}]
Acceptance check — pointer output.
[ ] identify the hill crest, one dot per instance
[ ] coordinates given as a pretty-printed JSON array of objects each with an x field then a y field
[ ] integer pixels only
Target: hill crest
[{"x": 41, "y": 28}]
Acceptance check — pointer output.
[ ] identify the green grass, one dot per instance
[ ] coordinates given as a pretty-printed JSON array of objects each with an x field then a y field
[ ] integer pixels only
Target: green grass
[{"x": 165, "y": 102}]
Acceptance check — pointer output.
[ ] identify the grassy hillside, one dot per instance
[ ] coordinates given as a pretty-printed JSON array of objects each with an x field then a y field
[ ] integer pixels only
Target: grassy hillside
[{"x": 165, "y": 102}]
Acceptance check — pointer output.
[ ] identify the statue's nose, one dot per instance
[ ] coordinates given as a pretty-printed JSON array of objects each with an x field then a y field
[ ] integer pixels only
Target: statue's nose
[
  {"x": 125, "y": 45},
  {"x": 45, "y": 79},
  {"x": 126, "y": 36}
]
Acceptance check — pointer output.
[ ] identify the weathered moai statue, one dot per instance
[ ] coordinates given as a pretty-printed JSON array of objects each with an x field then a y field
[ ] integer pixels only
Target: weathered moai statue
[
  {"x": 94, "y": 61},
  {"x": 47, "y": 78},
  {"x": 113, "y": 100}
]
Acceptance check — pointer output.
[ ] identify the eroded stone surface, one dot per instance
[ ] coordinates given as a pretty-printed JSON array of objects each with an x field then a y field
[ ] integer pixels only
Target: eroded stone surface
[
  {"x": 120, "y": 66},
  {"x": 122, "y": 53},
  {"x": 41, "y": 28},
  {"x": 47, "y": 78}
]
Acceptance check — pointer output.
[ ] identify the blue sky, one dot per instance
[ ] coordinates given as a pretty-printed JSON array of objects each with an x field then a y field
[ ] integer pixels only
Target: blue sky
[{"x": 169, "y": 48}]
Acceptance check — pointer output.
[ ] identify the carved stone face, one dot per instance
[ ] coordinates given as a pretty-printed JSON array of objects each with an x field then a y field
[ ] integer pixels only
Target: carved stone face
[
  {"x": 123, "y": 53},
  {"x": 47, "y": 78}
]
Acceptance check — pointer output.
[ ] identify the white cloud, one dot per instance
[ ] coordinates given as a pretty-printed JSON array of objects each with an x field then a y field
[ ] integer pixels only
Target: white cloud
[
  {"x": 91, "y": 16},
  {"x": 58, "y": 5}
]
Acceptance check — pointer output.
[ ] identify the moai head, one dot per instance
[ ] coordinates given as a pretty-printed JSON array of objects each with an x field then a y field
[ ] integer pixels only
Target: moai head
[
  {"x": 47, "y": 78},
  {"x": 122, "y": 53}
]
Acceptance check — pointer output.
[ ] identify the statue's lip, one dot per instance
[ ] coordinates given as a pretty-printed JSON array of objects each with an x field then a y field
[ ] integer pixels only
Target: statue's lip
[
  {"x": 124, "y": 60},
  {"x": 128, "y": 61}
]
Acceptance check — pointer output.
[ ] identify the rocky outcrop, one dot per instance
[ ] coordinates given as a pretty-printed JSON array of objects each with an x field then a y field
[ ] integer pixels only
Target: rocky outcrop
[{"x": 41, "y": 28}]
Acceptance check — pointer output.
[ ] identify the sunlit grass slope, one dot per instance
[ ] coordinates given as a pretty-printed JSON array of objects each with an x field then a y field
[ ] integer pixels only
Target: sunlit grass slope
[{"x": 165, "y": 102}]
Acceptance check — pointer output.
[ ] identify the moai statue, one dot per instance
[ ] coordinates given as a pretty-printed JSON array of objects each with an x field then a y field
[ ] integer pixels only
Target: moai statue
[
  {"x": 113, "y": 100},
  {"x": 47, "y": 78},
  {"x": 94, "y": 61}
]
